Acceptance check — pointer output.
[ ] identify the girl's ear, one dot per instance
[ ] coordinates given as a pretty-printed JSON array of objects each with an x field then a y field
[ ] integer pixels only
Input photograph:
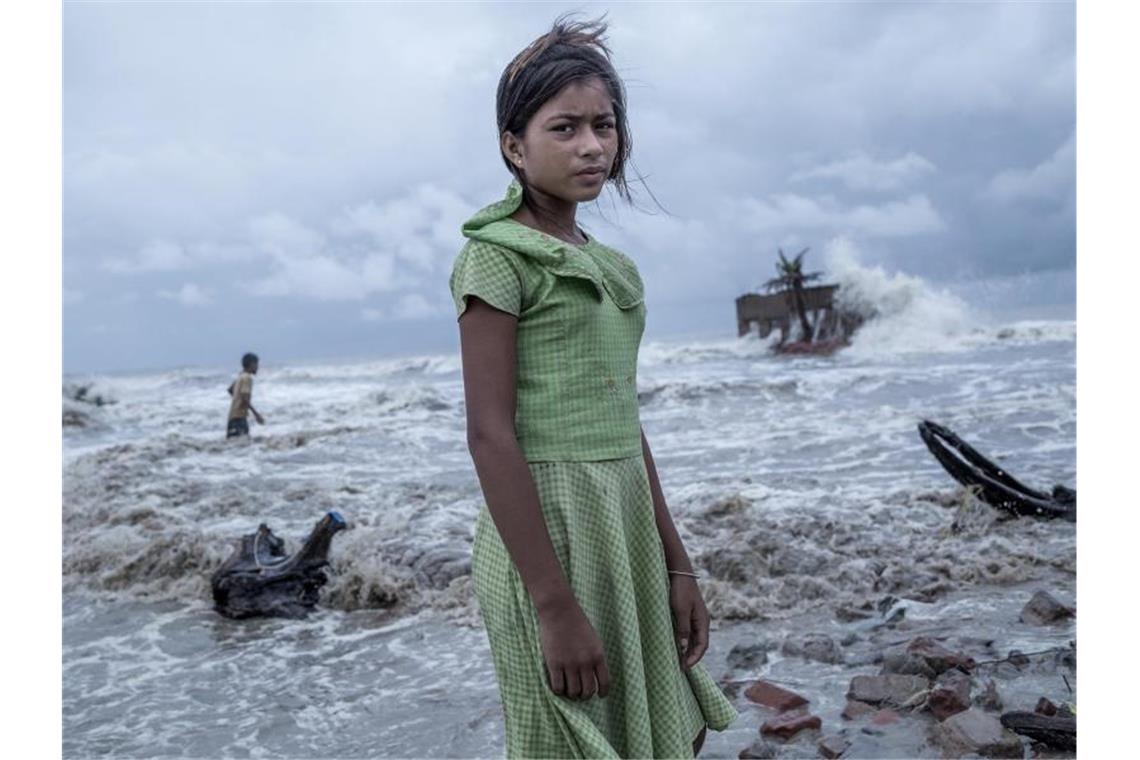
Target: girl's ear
[{"x": 512, "y": 149}]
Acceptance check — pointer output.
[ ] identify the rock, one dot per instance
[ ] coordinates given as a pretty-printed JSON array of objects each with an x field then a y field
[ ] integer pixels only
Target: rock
[
  {"x": 760, "y": 750},
  {"x": 848, "y": 614},
  {"x": 771, "y": 695},
  {"x": 1045, "y": 707},
  {"x": 907, "y": 664},
  {"x": 787, "y": 725},
  {"x": 1018, "y": 658},
  {"x": 884, "y": 717},
  {"x": 848, "y": 639},
  {"x": 832, "y": 747},
  {"x": 814, "y": 646},
  {"x": 1044, "y": 609},
  {"x": 856, "y": 709},
  {"x": 950, "y": 695},
  {"x": 867, "y": 658},
  {"x": 978, "y": 732},
  {"x": 989, "y": 699},
  {"x": 748, "y": 656},
  {"x": 892, "y": 689},
  {"x": 939, "y": 658}
]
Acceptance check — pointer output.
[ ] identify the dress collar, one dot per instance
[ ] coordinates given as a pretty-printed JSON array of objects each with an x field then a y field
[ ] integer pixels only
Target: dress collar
[{"x": 605, "y": 268}]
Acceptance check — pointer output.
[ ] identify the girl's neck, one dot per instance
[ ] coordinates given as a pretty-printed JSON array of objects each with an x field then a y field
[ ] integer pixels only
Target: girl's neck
[{"x": 554, "y": 216}]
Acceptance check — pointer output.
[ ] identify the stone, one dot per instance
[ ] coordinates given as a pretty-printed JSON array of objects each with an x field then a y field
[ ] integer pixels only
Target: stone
[
  {"x": 890, "y": 689},
  {"x": 770, "y": 695},
  {"x": 760, "y": 750},
  {"x": 1018, "y": 658},
  {"x": 1044, "y": 609},
  {"x": 939, "y": 658},
  {"x": 856, "y": 709},
  {"x": 832, "y": 747},
  {"x": 814, "y": 646},
  {"x": 849, "y": 614},
  {"x": 907, "y": 664},
  {"x": 989, "y": 698},
  {"x": 867, "y": 658},
  {"x": 787, "y": 725},
  {"x": 747, "y": 656},
  {"x": 950, "y": 695},
  {"x": 979, "y": 732},
  {"x": 884, "y": 717},
  {"x": 848, "y": 639},
  {"x": 1045, "y": 707}
]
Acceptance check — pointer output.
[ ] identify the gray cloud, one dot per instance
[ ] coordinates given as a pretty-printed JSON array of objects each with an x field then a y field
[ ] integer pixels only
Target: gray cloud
[
  {"x": 188, "y": 295},
  {"x": 306, "y": 167},
  {"x": 861, "y": 172},
  {"x": 913, "y": 215},
  {"x": 1052, "y": 179}
]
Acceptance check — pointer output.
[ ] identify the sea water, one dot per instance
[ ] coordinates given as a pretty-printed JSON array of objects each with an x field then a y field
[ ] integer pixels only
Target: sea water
[{"x": 799, "y": 485}]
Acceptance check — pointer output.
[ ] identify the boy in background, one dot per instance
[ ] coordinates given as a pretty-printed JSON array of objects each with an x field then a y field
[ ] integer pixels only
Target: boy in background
[{"x": 242, "y": 392}]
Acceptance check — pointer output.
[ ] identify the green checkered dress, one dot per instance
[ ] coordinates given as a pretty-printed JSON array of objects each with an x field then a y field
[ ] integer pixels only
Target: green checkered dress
[{"x": 581, "y": 317}]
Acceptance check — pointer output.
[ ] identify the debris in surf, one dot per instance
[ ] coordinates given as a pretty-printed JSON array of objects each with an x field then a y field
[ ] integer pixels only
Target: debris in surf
[
  {"x": 261, "y": 580},
  {"x": 992, "y": 484},
  {"x": 1058, "y": 731}
]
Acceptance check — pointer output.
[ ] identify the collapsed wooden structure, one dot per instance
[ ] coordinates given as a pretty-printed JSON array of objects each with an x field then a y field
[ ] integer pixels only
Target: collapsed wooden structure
[{"x": 764, "y": 313}]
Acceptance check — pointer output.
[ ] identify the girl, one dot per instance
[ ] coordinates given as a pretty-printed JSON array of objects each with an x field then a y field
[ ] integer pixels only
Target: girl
[{"x": 591, "y": 605}]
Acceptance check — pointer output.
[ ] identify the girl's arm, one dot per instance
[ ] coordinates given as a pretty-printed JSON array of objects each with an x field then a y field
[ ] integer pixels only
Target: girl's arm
[
  {"x": 572, "y": 648},
  {"x": 690, "y": 616}
]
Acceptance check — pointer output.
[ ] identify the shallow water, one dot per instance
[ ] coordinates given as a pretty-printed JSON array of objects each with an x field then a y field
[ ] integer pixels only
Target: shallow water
[
  {"x": 799, "y": 485},
  {"x": 171, "y": 679}
]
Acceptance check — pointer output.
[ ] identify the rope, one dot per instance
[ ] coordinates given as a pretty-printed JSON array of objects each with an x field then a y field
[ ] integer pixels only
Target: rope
[{"x": 1026, "y": 654}]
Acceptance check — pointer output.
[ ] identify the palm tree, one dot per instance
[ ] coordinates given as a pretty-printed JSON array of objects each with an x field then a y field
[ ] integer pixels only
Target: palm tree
[{"x": 790, "y": 279}]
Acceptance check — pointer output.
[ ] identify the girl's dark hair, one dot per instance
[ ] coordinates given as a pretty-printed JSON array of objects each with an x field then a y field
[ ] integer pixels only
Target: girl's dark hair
[{"x": 571, "y": 51}]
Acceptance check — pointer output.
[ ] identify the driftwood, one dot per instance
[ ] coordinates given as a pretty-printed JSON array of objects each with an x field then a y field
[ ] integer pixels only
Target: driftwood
[
  {"x": 1056, "y": 731},
  {"x": 260, "y": 580},
  {"x": 992, "y": 484}
]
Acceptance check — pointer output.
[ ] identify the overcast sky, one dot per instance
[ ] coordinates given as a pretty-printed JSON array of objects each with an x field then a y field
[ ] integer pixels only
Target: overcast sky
[{"x": 290, "y": 178}]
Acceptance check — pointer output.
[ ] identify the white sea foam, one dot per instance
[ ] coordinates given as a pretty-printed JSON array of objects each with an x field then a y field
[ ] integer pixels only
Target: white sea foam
[
  {"x": 154, "y": 498},
  {"x": 799, "y": 485},
  {"x": 904, "y": 313}
]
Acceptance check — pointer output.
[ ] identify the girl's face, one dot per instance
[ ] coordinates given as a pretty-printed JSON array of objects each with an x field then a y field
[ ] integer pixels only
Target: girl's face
[{"x": 569, "y": 145}]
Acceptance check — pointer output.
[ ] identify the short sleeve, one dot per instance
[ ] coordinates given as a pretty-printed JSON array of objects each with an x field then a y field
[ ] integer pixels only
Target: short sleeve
[{"x": 489, "y": 273}]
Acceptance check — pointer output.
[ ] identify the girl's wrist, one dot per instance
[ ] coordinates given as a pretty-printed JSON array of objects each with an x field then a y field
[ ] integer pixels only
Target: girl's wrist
[{"x": 682, "y": 574}]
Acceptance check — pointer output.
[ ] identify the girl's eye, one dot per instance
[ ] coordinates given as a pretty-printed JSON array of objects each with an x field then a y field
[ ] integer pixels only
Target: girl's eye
[
  {"x": 606, "y": 125},
  {"x": 563, "y": 128}
]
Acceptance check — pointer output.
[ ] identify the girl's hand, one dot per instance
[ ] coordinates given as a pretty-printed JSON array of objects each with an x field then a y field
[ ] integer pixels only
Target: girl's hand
[
  {"x": 690, "y": 619},
  {"x": 575, "y": 658}
]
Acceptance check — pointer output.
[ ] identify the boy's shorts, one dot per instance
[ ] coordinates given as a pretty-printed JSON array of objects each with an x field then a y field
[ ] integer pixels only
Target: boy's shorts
[{"x": 238, "y": 426}]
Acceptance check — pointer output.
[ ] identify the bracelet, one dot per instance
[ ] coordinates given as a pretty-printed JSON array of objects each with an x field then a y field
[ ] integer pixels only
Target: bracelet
[{"x": 682, "y": 572}]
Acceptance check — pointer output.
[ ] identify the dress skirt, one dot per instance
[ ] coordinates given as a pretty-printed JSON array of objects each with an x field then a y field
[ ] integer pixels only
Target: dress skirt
[{"x": 601, "y": 520}]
